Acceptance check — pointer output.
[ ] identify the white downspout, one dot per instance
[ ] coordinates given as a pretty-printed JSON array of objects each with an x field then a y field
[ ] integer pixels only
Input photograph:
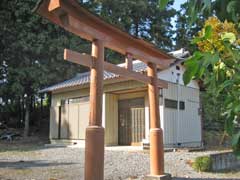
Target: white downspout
[{"x": 178, "y": 108}]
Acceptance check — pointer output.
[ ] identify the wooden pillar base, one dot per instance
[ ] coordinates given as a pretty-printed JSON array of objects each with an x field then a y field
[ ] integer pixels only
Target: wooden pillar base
[
  {"x": 94, "y": 153},
  {"x": 160, "y": 177},
  {"x": 156, "y": 152}
]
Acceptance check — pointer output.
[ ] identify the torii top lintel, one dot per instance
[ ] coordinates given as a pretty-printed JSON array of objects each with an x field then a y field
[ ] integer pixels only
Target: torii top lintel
[{"x": 76, "y": 19}]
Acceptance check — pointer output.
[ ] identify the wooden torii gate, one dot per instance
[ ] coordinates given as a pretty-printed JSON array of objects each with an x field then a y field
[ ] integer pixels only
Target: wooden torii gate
[{"x": 72, "y": 17}]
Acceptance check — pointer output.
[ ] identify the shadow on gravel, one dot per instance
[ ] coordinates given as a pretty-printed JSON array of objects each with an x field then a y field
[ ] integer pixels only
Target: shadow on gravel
[
  {"x": 205, "y": 178},
  {"x": 30, "y": 164}
]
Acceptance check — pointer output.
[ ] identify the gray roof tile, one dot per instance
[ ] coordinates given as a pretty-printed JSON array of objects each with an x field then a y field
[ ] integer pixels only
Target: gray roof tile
[{"x": 84, "y": 78}]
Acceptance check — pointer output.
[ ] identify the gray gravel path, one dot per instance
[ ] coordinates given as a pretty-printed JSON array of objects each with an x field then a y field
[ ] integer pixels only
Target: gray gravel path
[{"x": 121, "y": 163}]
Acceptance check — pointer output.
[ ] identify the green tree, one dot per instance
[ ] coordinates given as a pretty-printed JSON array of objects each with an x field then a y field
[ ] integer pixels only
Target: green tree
[
  {"x": 32, "y": 48},
  {"x": 141, "y": 18},
  {"x": 185, "y": 31}
]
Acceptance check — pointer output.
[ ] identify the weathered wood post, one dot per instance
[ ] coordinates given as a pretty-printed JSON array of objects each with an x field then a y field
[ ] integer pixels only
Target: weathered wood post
[
  {"x": 156, "y": 133},
  {"x": 94, "y": 150},
  {"x": 128, "y": 61}
]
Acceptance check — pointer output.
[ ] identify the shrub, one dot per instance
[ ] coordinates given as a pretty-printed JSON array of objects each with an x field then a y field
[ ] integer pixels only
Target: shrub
[{"x": 202, "y": 164}]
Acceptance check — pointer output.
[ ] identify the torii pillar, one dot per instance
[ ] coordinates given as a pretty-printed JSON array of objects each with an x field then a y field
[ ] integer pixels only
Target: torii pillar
[
  {"x": 94, "y": 144},
  {"x": 156, "y": 133}
]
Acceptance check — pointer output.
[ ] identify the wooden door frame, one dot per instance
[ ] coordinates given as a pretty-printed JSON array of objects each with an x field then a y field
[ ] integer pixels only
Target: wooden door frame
[
  {"x": 129, "y": 107},
  {"x": 59, "y": 121}
]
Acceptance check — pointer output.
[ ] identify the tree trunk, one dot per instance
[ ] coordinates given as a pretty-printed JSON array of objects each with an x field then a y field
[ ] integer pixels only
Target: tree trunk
[
  {"x": 26, "y": 118},
  {"x": 41, "y": 112},
  {"x": 18, "y": 124},
  {"x": 136, "y": 29},
  {"x": 136, "y": 23}
]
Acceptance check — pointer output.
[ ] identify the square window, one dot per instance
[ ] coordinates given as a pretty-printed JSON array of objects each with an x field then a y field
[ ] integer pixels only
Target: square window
[
  {"x": 182, "y": 105},
  {"x": 169, "y": 103}
]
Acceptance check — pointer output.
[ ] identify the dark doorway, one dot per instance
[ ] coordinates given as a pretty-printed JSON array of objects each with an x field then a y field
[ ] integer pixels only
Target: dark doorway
[{"x": 131, "y": 121}]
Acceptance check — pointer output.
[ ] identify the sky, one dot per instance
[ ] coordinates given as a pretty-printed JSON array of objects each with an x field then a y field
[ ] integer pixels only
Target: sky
[{"x": 177, "y": 4}]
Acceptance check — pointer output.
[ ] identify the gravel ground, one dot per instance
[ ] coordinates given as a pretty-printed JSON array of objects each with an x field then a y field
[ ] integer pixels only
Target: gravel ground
[{"x": 121, "y": 163}]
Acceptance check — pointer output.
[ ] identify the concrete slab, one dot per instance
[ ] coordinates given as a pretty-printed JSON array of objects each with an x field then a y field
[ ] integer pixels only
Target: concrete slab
[{"x": 160, "y": 177}]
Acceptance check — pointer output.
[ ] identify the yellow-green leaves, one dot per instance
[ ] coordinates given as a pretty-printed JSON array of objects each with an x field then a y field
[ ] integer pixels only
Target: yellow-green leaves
[
  {"x": 217, "y": 63},
  {"x": 228, "y": 36},
  {"x": 207, "y": 33}
]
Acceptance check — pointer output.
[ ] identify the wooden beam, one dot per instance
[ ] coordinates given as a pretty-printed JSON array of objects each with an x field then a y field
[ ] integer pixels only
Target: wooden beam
[
  {"x": 87, "y": 60},
  {"x": 78, "y": 58},
  {"x": 81, "y": 22},
  {"x": 53, "y": 5}
]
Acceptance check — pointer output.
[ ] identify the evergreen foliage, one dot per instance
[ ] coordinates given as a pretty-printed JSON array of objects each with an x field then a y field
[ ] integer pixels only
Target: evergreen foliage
[{"x": 32, "y": 48}]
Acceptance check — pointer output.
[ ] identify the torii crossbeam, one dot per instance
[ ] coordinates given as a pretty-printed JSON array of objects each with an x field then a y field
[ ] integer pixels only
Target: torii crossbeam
[{"x": 74, "y": 18}]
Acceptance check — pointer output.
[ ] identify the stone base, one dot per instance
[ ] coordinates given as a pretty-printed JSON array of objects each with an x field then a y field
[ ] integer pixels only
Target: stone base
[{"x": 160, "y": 177}]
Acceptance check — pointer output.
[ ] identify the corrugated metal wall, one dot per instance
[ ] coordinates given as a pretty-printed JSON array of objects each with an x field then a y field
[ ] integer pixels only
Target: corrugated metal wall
[
  {"x": 111, "y": 119},
  {"x": 64, "y": 122},
  {"x": 84, "y": 109},
  {"x": 73, "y": 118},
  {"x": 73, "y": 121},
  {"x": 186, "y": 131},
  {"x": 54, "y": 117},
  {"x": 76, "y": 118}
]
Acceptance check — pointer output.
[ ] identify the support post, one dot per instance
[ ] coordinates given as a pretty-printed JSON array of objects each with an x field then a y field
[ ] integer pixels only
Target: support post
[
  {"x": 128, "y": 61},
  {"x": 94, "y": 147},
  {"x": 156, "y": 133}
]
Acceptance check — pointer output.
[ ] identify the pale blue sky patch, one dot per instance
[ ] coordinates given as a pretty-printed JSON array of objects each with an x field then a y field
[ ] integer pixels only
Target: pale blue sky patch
[{"x": 177, "y": 4}]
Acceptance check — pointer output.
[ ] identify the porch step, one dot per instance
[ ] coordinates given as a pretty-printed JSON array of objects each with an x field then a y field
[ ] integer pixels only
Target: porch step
[
  {"x": 65, "y": 143},
  {"x": 146, "y": 146}
]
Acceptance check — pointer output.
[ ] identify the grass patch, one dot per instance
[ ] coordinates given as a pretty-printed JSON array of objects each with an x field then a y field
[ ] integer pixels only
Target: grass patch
[{"x": 202, "y": 164}]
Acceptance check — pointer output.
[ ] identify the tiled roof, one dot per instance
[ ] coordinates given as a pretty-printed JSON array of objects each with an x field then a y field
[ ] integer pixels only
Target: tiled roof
[{"x": 84, "y": 78}]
